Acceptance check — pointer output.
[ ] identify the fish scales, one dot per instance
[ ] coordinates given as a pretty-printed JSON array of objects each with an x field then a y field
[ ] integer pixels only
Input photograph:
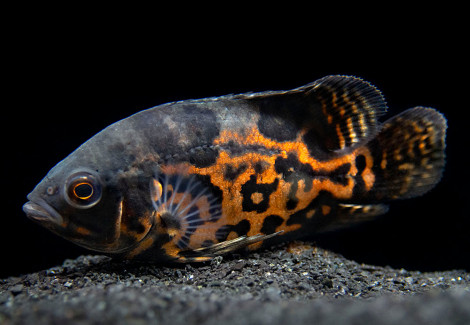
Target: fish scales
[{"x": 190, "y": 180}]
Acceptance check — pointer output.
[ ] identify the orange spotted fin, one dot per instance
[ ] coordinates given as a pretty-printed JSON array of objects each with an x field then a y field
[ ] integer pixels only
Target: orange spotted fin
[
  {"x": 333, "y": 114},
  {"x": 408, "y": 154},
  {"x": 345, "y": 111}
]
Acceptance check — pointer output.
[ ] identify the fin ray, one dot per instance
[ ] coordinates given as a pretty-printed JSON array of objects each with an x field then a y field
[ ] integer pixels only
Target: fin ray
[
  {"x": 185, "y": 209},
  {"x": 336, "y": 112},
  {"x": 349, "y": 108}
]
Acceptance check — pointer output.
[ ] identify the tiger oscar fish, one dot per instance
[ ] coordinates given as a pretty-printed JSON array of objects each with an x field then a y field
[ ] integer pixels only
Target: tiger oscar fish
[{"x": 191, "y": 180}]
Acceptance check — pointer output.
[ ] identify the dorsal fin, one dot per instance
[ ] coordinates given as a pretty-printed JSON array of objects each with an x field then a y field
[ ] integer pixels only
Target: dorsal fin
[
  {"x": 346, "y": 111},
  {"x": 335, "y": 112}
]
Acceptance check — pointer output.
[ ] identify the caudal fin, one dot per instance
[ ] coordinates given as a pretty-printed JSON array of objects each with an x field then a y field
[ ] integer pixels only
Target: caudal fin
[{"x": 409, "y": 154}]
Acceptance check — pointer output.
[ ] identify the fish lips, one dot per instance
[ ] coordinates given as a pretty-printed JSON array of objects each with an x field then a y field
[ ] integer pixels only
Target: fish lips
[{"x": 42, "y": 212}]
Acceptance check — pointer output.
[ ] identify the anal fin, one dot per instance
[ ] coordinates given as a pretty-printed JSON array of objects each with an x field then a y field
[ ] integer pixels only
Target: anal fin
[{"x": 353, "y": 214}]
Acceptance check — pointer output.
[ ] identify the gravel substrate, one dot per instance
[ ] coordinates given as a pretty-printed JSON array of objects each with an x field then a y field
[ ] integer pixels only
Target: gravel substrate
[{"x": 291, "y": 284}]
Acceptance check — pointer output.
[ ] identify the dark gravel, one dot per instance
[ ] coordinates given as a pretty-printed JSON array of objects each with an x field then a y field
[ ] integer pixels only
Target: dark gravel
[{"x": 291, "y": 284}]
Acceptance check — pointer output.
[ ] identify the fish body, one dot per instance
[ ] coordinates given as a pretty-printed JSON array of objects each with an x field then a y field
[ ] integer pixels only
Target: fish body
[{"x": 191, "y": 180}]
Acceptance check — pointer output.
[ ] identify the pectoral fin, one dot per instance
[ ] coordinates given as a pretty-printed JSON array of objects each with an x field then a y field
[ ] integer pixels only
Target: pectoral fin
[{"x": 208, "y": 253}]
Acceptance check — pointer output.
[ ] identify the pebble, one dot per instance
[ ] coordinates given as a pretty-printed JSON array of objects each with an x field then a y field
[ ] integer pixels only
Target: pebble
[{"x": 16, "y": 289}]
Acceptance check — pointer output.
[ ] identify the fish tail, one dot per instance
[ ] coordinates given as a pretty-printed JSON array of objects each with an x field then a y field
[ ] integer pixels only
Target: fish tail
[{"x": 408, "y": 153}]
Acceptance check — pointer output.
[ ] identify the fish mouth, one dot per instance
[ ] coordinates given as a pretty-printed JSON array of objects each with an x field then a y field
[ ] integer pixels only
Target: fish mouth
[{"x": 42, "y": 212}]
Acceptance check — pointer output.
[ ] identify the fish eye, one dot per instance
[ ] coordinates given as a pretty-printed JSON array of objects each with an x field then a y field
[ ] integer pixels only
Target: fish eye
[{"x": 82, "y": 190}]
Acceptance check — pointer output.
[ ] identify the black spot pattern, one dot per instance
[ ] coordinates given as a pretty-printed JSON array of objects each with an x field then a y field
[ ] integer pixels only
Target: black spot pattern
[
  {"x": 293, "y": 201},
  {"x": 359, "y": 185},
  {"x": 251, "y": 187},
  {"x": 259, "y": 167},
  {"x": 207, "y": 243},
  {"x": 270, "y": 224},
  {"x": 242, "y": 227},
  {"x": 222, "y": 233},
  {"x": 231, "y": 173},
  {"x": 360, "y": 163},
  {"x": 300, "y": 217},
  {"x": 316, "y": 144},
  {"x": 339, "y": 175},
  {"x": 293, "y": 170},
  {"x": 202, "y": 157},
  {"x": 136, "y": 226}
]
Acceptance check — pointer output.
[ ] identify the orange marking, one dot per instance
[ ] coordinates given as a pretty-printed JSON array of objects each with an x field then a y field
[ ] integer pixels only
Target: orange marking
[
  {"x": 342, "y": 143},
  {"x": 354, "y": 109},
  {"x": 158, "y": 190},
  {"x": 406, "y": 166},
  {"x": 362, "y": 123},
  {"x": 352, "y": 134},
  {"x": 367, "y": 174},
  {"x": 254, "y": 138},
  {"x": 325, "y": 209},
  {"x": 232, "y": 198},
  {"x": 422, "y": 144},
  {"x": 171, "y": 250},
  {"x": 330, "y": 119},
  {"x": 144, "y": 245},
  {"x": 383, "y": 164},
  {"x": 257, "y": 197},
  {"x": 325, "y": 112},
  {"x": 310, "y": 214},
  {"x": 83, "y": 231}
]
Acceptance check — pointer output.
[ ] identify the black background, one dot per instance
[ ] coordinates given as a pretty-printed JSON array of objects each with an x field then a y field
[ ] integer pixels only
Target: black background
[{"x": 64, "y": 89}]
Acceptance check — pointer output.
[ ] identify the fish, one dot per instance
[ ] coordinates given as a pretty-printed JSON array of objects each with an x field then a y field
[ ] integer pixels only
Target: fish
[{"x": 191, "y": 180}]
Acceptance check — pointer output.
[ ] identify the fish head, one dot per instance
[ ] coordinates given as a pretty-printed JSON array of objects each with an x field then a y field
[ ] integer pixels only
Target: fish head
[{"x": 100, "y": 209}]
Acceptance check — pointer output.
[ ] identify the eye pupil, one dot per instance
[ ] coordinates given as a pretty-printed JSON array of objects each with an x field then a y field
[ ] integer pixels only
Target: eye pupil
[{"x": 83, "y": 191}]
